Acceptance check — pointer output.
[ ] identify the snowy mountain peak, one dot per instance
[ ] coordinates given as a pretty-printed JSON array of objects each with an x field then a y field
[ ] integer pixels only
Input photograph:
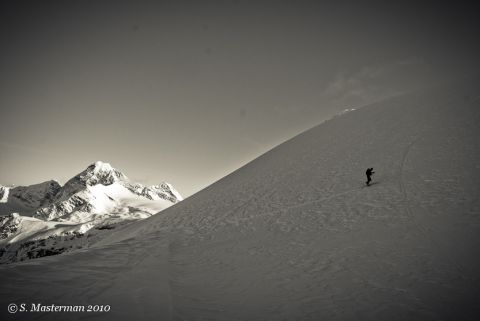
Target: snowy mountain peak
[
  {"x": 97, "y": 199},
  {"x": 168, "y": 188},
  {"x": 101, "y": 173},
  {"x": 96, "y": 173},
  {"x": 100, "y": 166},
  {"x": 100, "y": 184}
]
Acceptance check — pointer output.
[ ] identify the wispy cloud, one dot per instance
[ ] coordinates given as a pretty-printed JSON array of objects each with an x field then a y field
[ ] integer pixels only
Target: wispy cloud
[{"x": 369, "y": 84}]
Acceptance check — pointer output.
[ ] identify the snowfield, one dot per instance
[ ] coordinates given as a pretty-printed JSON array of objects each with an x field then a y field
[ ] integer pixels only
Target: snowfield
[{"x": 296, "y": 234}]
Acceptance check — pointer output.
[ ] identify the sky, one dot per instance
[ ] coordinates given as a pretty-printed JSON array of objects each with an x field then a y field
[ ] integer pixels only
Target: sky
[{"x": 188, "y": 91}]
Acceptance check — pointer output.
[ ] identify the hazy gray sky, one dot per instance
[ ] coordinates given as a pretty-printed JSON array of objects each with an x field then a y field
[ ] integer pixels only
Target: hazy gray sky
[{"x": 188, "y": 91}]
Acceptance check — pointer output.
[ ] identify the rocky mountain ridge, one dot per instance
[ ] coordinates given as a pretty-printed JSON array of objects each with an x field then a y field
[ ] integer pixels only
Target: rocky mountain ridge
[{"x": 99, "y": 198}]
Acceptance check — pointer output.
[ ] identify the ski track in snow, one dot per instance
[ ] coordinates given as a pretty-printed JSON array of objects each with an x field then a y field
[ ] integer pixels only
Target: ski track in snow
[{"x": 408, "y": 208}]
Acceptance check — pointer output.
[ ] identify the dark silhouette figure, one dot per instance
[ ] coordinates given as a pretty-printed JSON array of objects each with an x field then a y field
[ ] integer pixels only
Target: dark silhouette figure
[{"x": 369, "y": 174}]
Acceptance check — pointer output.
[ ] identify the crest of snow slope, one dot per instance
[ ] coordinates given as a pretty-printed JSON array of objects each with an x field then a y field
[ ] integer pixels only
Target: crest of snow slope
[
  {"x": 98, "y": 197},
  {"x": 296, "y": 235}
]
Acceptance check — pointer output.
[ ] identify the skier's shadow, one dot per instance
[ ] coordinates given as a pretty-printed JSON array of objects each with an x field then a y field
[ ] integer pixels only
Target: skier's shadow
[{"x": 372, "y": 183}]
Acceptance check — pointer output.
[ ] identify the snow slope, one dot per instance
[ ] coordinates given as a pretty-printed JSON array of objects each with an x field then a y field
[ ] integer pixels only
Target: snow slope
[{"x": 296, "y": 235}]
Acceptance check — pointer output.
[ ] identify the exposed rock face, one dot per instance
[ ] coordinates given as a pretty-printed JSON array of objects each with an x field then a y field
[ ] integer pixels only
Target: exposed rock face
[{"x": 9, "y": 224}]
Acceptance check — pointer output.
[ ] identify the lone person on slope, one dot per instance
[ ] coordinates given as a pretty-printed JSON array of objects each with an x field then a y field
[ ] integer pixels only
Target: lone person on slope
[{"x": 369, "y": 174}]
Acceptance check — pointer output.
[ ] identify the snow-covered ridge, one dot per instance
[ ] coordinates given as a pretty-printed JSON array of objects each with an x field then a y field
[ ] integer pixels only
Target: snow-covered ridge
[
  {"x": 97, "y": 197},
  {"x": 30, "y": 196}
]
